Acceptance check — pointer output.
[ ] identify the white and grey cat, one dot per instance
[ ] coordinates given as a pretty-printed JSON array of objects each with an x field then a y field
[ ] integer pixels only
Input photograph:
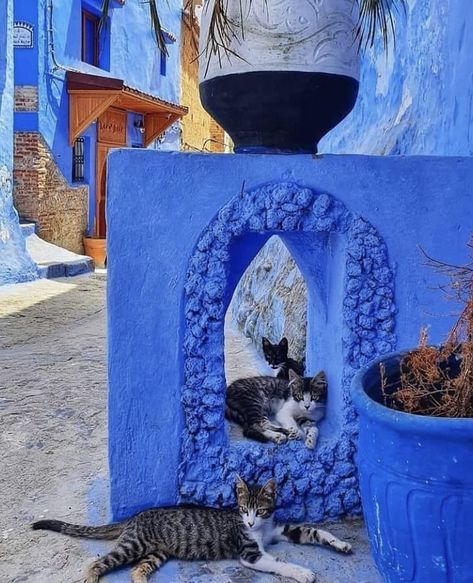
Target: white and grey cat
[
  {"x": 275, "y": 409},
  {"x": 152, "y": 537}
]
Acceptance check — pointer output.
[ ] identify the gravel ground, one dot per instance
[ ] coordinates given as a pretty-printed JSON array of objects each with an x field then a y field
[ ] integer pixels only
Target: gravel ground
[
  {"x": 53, "y": 455},
  {"x": 53, "y": 419}
]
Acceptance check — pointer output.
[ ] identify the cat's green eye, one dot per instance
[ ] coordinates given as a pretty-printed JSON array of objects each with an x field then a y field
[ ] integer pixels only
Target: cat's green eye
[
  {"x": 243, "y": 509},
  {"x": 261, "y": 512}
]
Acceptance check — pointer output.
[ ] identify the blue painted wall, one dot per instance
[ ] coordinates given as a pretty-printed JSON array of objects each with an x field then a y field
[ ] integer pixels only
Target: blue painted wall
[
  {"x": 408, "y": 201},
  {"x": 132, "y": 56},
  {"x": 15, "y": 263},
  {"x": 418, "y": 100}
]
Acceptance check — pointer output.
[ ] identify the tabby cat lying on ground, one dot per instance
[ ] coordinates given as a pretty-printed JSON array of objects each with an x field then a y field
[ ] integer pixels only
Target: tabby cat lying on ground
[
  {"x": 255, "y": 401},
  {"x": 277, "y": 357},
  {"x": 152, "y": 537}
]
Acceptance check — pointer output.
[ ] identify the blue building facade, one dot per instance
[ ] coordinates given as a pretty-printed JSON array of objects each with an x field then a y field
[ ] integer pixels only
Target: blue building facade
[
  {"x": 15, "y": 263},
  {"x": 82, "y": 89}
]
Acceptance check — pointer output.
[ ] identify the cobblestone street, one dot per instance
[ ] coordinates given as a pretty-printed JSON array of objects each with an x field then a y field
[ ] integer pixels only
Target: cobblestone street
[{"x": 54, "y": 443}]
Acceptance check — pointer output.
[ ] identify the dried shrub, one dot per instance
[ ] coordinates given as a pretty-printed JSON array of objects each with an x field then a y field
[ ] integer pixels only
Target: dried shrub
[{"x": 438, "y": 381}]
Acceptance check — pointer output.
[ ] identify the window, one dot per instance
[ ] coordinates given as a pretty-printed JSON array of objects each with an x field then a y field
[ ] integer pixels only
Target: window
[
  {"x": 90, "y": 38},
  {"x": 163, "y": 64},
  {"x": 78, "y": 160}
]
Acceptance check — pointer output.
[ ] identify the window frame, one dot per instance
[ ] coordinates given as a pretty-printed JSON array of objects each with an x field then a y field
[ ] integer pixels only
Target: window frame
[{"x": 89, "y": 16}]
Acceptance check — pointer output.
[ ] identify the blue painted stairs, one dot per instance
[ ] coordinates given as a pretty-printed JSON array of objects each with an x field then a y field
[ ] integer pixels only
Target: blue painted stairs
[{"x": 53, "y": 261}]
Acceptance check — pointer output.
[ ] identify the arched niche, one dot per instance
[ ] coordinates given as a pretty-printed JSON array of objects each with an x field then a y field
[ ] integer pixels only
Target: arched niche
[{"x": 350, "y": 321}]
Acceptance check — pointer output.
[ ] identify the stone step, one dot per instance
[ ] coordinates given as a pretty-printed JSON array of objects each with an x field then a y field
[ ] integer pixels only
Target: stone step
[
  {"x": 27, "y": 228},
  {"x": 53, "y": 261}
]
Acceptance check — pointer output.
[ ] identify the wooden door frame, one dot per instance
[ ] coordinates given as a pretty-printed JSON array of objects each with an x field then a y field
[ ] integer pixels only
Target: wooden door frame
[
  {"x": 108, "y": 144},
  {"x": 98, "y": 192}
]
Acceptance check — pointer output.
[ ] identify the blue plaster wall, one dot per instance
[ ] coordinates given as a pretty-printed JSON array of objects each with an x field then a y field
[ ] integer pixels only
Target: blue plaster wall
[
  {"x": 15, "y": 263},
  {"x": 133, "y": 57},
  {"x": 167, "y": 437},
  {"x": 418, "y": 100}
]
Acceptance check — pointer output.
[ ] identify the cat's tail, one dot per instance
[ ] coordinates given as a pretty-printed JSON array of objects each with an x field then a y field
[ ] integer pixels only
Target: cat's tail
[{"x": 106, "y": 532}]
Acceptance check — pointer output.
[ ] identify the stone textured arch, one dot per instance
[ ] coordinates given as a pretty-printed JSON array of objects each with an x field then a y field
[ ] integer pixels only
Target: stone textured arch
[{"x": 313, "y": 484}]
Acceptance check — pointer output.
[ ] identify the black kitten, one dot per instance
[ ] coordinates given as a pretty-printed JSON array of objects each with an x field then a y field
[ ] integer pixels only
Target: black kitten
[{"x": 277, "y": 357}]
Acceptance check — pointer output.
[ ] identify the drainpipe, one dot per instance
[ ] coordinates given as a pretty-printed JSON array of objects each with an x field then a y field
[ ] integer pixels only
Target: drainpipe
[{"x": 52, "y": 50}]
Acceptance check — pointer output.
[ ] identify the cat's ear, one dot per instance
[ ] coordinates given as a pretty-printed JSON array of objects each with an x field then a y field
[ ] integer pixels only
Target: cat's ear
[
  {"x": 284, "y": 344},
  {"x": 268, "y": 492},
  {"x": 241, "y": 488},
  {"x": 293, "y": 376},
  {"x": 319, "y": 382},
  {"x": 271, "y": 487},
  {"x": 319, "y": 378},
  {"x": 266, "y": 343}
]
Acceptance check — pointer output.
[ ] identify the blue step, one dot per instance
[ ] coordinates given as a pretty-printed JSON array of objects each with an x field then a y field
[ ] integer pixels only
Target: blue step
[{"x": 27, "y": 228}]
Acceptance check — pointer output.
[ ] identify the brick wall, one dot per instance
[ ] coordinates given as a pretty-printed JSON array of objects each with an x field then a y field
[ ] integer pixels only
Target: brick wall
[
  {"x": 41, "y": 194},
  {"x": 26, "y": 98},
  {"x": 199, "y": 130}
]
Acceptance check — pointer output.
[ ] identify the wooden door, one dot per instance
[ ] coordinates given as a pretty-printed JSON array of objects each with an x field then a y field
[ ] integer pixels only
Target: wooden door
[
  {"x": 100, "y": 187},
  {"x": 111, "y": 133}
]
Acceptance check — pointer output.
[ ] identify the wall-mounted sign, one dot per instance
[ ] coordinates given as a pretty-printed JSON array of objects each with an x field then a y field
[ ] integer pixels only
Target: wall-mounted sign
[
  {"x": 112, "y": 127},
  {"x": 22, "y": 35}
]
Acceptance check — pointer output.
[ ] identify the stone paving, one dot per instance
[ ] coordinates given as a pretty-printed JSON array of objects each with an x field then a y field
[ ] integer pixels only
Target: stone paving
[{"x": 53, "y": 443}]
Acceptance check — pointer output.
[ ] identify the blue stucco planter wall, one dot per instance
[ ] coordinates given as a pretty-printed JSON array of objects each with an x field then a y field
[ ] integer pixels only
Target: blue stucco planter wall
[
  {"x": 416, "y": 480},
  {"x": 352, "y": 223},
  {"x": 15, "y": 263}
]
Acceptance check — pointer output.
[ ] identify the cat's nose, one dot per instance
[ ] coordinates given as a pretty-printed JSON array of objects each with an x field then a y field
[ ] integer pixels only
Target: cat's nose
[
  {"x": 251, "y": 524},
  {"x": 306, "y": 406}
]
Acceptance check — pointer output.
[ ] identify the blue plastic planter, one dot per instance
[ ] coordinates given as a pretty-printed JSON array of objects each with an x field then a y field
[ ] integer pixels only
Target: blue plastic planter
[{"x": 416, "y": 480}]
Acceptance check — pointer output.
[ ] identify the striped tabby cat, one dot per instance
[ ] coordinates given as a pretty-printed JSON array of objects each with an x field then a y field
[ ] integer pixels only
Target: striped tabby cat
[
  {"x": 255, "y": 401},
  {"x": 154, "y": 536}
]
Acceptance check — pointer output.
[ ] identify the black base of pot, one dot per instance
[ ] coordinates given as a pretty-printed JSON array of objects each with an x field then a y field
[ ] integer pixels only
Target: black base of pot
[{"x": 278, "y": 111}]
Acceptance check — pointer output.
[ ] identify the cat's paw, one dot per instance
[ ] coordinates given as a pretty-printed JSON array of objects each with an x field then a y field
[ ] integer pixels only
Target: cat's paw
[
  {"x": 280, "y": 438},
  {"x": 344, "y": 547},
  {"x": 294, "y": 433},
  {"x": 304, "y": 575},
  {"x": 311, "y": 438}
]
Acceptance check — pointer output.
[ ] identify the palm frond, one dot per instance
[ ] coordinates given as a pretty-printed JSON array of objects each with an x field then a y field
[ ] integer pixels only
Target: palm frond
[
  {"x": 154, "y": 17},
  {"x": 157, "y": 28},
  {"x": 104, "y": 14},
  {"x": 221, "y": 32},
  {"x": 377, "y": 15}
]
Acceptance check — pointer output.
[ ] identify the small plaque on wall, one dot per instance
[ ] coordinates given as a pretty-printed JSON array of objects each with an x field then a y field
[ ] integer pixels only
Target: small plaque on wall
[
  {"x": 22, "y": 35},
  {"x": 112, "y": 127}
]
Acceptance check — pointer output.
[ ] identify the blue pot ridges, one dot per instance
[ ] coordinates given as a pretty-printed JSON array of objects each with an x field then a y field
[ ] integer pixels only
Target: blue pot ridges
[{"x": 416, "y": 481}]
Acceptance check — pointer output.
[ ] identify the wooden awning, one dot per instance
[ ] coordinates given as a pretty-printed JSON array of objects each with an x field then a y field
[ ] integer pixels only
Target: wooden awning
[{"x": 92, "y": 95}]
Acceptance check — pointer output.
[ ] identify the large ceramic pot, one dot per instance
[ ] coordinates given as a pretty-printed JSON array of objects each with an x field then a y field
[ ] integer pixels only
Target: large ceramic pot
[
  {"x": 96, "y": 247},
  {"x": 290, "y": 75},
  {"x": 416, "y": 480}
]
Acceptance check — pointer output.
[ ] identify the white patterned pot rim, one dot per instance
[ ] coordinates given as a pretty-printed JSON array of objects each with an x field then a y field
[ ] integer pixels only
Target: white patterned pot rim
[{"x": 316, "y": 36}]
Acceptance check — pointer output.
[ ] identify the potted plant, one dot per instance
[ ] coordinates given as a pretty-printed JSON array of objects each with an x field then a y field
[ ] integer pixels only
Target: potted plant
[
  {"x": 415, "y": 453},
  {"x": 96, "y": 247},
  {"x": 277, "y": 76}
]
